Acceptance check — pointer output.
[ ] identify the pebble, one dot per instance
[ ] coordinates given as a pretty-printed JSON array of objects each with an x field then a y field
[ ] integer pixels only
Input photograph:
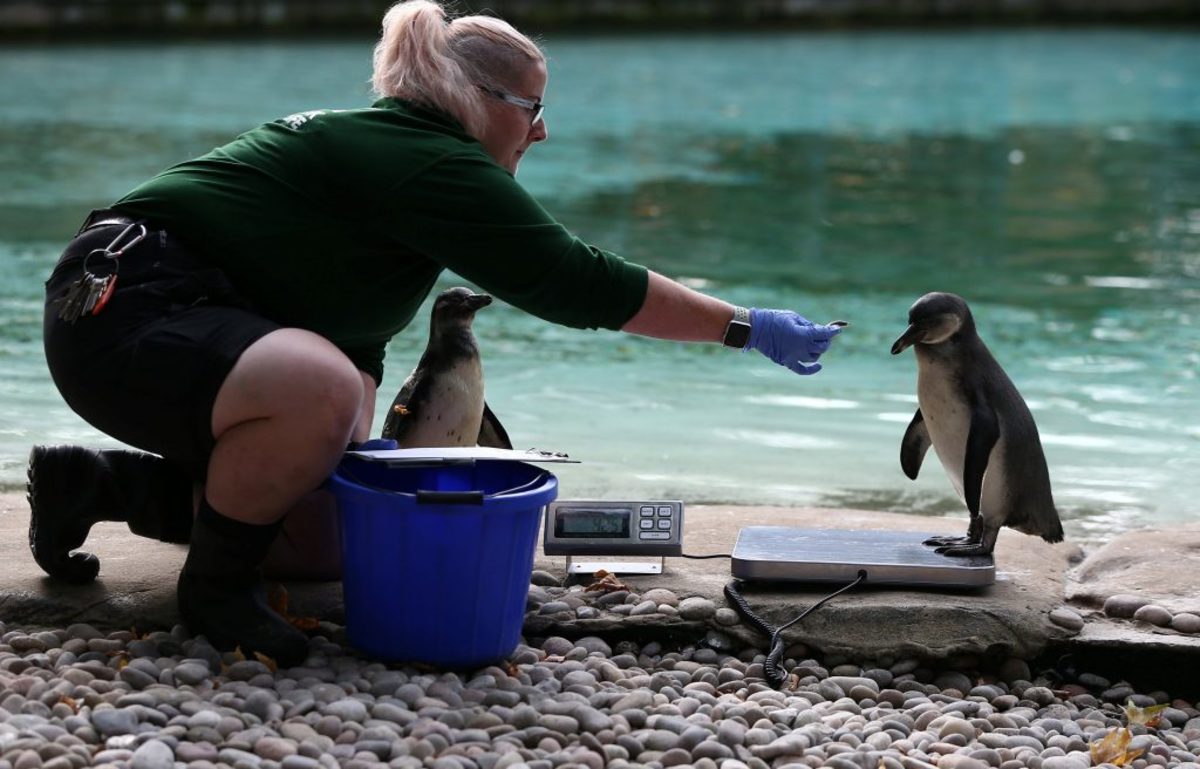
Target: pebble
[
  {"x": 1154, "y": 614},
  {"x": 1067, "y": 618},
  {"x": 153, "y": 754},
  {"x": 589, "y": 702},
  {"x": 1123, "y": 605},
  {"x": 1186, "y": 622},
  {"x": 696, "y": 608}
]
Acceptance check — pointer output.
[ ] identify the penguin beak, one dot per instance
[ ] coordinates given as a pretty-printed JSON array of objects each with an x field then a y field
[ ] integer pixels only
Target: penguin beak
[
  {"x": 911, "y": 334},
  {"x": 478, "y": 301}
]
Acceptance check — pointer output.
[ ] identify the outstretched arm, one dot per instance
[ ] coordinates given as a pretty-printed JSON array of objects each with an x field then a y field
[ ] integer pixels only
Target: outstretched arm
[{"x": 674, "y": 311}]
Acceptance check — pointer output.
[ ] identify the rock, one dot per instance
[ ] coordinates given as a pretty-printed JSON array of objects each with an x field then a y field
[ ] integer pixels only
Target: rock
[
  {"x": 725, "y": 616},
  {"x": 661, "y": 596},
  {"x": 1067, "y": 618},
  {"x": 543, "y": 578},
  {"x": 594, "y": 645},
  {"x": 154, "y": 754},
  {"x": 1123, "y": 606},
  {"x": 1186, "y": 622},
  {"x": 196, "y": 751},
  {"x": 1154, "y": 614},
  {"x": 191, "y": 673},
  {"x": 111, "y": 722},
  {"x": 696, "y": 608},
  {"x": 274, "y": 748},
  {"x": 1142, "y": 562},
  {"x": 347, "y": 710}
]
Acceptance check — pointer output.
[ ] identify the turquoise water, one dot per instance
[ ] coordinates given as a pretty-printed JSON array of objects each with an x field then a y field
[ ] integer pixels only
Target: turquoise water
[{"x": 1050, "y": 177}]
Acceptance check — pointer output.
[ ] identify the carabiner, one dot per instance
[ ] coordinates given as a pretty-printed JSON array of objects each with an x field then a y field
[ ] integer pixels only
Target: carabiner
[{"x": 113, "y": 252}]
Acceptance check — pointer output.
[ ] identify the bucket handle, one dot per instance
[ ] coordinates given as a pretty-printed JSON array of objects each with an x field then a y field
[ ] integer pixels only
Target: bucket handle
[
  {"x": 449, "y": 497},
  {"x": 425, "y": 497}
]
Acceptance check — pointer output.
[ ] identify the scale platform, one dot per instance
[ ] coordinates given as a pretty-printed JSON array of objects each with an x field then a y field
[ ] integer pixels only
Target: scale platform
[{"x": 788, "y": 554}]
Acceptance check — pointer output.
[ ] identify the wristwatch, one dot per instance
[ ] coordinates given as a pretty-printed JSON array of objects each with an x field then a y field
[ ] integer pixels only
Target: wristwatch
[{"x": 737, "y": 333}]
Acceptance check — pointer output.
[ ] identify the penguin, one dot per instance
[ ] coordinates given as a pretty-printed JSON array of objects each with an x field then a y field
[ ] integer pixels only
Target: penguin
[
  {"x": 980, "y": 427},
  {"x": 441, "y": 402}
]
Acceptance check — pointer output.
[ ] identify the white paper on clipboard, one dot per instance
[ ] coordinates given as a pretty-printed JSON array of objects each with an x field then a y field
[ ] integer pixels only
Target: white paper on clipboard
[{"x": 459, "y": 455}]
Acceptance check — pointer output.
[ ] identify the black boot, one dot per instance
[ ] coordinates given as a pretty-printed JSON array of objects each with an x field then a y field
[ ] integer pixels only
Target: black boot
[
  {"x": 71, "y": 488},
  {"x": 221, "y": 595}
]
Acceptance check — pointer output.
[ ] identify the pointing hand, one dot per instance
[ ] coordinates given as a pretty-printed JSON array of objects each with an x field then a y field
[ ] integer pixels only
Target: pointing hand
[{"x": 789, "y": 339}]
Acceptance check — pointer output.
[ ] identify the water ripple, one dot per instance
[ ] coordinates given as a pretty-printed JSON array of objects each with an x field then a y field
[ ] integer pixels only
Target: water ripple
[{"x": 800, "y": 401}]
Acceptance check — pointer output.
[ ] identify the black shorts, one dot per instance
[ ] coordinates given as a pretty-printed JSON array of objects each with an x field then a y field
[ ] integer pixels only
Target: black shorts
[{"x": 146, "y": 370}]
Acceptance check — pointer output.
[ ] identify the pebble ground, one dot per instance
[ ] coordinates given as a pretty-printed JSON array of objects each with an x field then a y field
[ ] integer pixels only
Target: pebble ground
[{"x": 76, "y": 697}]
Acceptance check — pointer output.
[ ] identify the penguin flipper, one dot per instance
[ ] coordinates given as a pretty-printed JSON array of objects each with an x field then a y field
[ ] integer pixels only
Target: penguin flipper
[
  {"x": 397, "y": 422},
  {"x": 914, "y": 445},
  {"x": 982, "y": 437},
  {"x": 491, "y": 432},
  {"x": 400, "y": 417}
]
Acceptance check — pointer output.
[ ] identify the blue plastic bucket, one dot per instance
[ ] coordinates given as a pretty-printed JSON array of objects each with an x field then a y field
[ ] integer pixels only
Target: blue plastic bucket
[{"x": 436, "y": 560}]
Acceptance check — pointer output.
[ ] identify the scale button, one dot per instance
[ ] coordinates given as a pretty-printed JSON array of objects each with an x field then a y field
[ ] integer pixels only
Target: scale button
[
  {"x": 654, "y": 535},
  {"x": 647, "y": 510},
  {"x": 647, "y": 523},
  {"x": 666, "y": 511},
  {"x": 662, "y": 524}
]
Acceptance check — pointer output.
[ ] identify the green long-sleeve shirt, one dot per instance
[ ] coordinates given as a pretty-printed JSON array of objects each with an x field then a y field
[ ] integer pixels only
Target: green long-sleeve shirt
[{"x": 339, "y": 221}]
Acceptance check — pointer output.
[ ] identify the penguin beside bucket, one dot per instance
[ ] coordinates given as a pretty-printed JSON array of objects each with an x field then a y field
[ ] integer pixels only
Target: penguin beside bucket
[
  {"x": 979, "y": 426},
  {"x": 441, "y": 403}
]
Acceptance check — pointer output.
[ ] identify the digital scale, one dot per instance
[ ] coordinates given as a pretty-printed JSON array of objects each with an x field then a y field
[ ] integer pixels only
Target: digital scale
[
  {"x": 638, "y": 528},
  {"x": 614, "y": 528},
  {"x": 899, "y": 558}
]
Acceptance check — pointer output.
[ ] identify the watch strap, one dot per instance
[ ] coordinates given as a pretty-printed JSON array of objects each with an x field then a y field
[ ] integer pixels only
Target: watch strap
[{"x": 737, "y": 333}]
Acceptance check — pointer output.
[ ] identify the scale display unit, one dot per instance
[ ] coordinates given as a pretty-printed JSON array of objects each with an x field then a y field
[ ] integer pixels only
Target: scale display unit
[{"x": 629, "y": 528}]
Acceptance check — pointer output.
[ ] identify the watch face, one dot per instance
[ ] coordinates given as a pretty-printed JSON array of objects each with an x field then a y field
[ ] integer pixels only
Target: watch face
[{"x": 737, "y": 335}]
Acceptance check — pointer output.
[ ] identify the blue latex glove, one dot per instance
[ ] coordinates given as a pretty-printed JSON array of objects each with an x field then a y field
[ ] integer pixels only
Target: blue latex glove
[
  {"x": 789, "y": 339},
  {"x": 374, "y": 444}
]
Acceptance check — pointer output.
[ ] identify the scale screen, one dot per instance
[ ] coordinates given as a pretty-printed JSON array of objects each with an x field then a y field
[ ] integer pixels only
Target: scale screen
[{"x": 601, "y": 524}]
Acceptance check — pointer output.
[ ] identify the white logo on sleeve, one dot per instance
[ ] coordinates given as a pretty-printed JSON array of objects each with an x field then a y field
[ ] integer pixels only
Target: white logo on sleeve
[{"x": 298, "y": 120}]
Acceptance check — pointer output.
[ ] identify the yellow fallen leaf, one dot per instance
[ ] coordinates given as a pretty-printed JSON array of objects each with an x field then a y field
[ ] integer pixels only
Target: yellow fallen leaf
[
  {"x": 606, "y": 582},
  {"x": 277, "y": 598},
  {"x": 1150, "y": 717},
  {"x": 1114, "y": 748},
  {"x": 271, "y": 664}
]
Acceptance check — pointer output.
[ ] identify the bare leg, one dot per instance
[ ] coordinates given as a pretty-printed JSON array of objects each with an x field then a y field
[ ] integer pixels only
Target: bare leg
[
  {"x": 309, "y": 544},
  {"x": 281, "y": 421}
]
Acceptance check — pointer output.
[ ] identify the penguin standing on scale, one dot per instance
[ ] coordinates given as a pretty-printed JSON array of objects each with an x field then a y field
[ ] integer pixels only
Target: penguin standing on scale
[
  {"x": 441, "y": 404},
  {"x": 977, "y": 422}
]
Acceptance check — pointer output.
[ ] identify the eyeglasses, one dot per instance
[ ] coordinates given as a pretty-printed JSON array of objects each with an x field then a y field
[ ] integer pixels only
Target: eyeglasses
[{"x": 535, "y": 107}]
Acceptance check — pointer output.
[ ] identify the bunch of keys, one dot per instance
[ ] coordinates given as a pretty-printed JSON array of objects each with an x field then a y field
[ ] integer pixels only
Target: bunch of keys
[{"x": 89, "y": 294}]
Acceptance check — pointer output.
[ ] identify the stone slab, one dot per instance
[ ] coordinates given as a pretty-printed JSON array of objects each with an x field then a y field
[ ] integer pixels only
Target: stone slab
[
  {"x": 1009, "y": 618},
  {"x": 1158, "y": 564},
  {"x": 137, "y": 583}
]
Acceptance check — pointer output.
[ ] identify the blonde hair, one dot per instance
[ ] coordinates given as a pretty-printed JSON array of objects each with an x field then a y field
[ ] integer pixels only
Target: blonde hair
[{"x": 429, "y": 58}]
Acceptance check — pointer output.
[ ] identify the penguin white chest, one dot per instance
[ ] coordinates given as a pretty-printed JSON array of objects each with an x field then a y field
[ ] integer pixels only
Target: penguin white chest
[
  {"x": 947, "y": 417},
  {"x": 451, "y": 414}
]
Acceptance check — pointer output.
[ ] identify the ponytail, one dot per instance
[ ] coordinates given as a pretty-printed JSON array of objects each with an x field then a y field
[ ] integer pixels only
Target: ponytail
[{"x": 428, "y": 58}]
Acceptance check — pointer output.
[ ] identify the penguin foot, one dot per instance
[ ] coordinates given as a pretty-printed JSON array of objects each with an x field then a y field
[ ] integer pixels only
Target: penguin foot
[
  {"x": 944, "y": 541},
  {"x": 967, "y": 548}
]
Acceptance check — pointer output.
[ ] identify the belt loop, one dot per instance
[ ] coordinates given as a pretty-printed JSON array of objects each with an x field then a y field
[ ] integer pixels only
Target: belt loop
[{"x": 106, "y": 216}]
